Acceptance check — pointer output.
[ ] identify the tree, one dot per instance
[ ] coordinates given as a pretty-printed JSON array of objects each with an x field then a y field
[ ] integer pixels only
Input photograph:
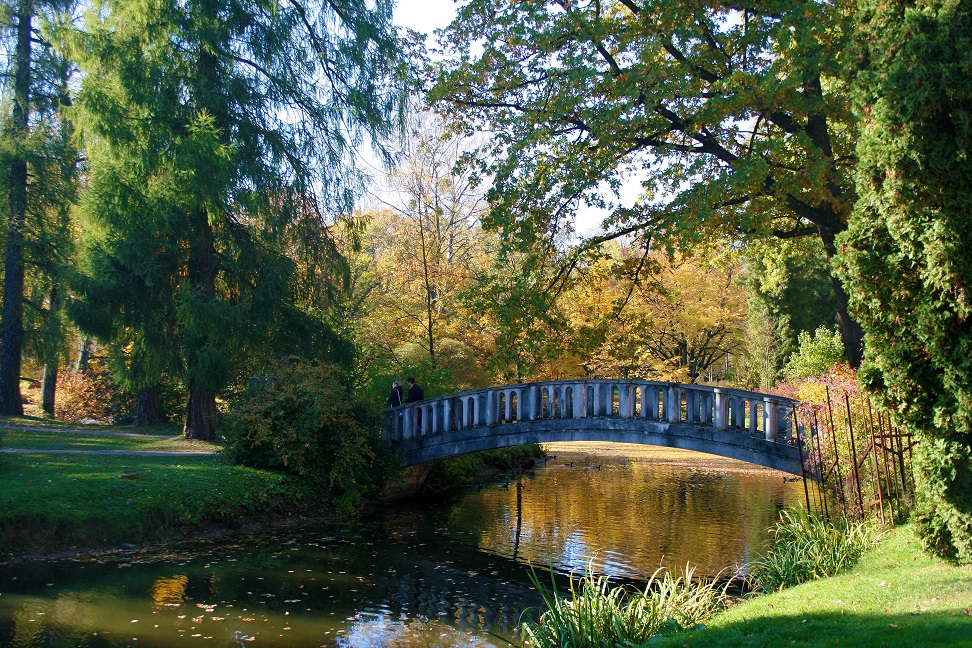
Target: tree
[
  {"x": 432, "y": 235},
  {"x": 906, "y": 254},
  {"x": 38, "y": 169},
  {"x": 735, "y": 120},
  {"x": 680, "y": 323},
  {"x": 221, "y": 133}
]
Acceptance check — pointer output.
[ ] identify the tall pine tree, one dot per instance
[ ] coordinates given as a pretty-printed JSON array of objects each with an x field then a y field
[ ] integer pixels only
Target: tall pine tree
[
  {"x": 216, "y": 130},
  {"x": 38, "y": 168}
]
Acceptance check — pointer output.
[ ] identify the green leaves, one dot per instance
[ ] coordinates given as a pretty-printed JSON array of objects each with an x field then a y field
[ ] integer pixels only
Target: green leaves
[{"x": 905, "y": 254}]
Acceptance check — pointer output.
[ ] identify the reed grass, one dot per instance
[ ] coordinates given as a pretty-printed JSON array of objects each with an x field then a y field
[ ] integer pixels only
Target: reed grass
[
  {"x": 804, "y": 548},
  {"x": 595, "y": 614}
]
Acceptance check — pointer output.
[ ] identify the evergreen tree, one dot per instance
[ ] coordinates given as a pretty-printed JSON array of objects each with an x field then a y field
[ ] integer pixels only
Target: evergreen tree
[
  {"x": 906, "y": 254},
  {"x": 220, "y": 133},
  {"x": 38, "y": 166}
]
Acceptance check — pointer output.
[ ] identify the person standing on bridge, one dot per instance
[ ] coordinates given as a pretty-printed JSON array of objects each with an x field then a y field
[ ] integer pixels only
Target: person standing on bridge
[
  {"x": 415, "y": 394},
  {"x": 395, "y": 399}
]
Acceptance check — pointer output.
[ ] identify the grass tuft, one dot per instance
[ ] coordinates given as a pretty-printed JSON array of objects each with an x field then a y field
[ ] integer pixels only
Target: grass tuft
[
  {"x": 595, "y": 614},
  {"x": 804, "y": 548}
]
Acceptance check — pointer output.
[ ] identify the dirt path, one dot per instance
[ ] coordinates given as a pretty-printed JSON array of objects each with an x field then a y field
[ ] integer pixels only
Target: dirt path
[
  {"x": 143, "y": 453},
  {"x": 31, "y": 428}
]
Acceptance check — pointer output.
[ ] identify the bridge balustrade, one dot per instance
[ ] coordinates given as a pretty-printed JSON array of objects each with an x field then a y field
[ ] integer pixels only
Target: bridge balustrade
[{"x": 720, "y": 408}]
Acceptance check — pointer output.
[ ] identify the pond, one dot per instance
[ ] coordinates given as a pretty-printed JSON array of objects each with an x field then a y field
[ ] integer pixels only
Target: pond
[{"x": 444, "y": 573}]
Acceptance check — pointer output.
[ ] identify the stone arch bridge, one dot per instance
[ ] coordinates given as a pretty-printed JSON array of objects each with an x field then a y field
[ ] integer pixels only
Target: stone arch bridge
[{"x": 733, "y": 423}]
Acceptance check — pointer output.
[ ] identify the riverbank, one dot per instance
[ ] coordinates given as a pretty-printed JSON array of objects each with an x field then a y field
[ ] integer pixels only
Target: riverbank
[
  {"x": 896, "y": 596},
  {"x": 71, "y": 490}
]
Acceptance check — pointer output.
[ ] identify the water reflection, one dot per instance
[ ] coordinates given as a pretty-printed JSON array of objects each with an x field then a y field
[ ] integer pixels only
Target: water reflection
[
  {"x": 627, "y": 515},
  {"x": 444, "y": 574}
]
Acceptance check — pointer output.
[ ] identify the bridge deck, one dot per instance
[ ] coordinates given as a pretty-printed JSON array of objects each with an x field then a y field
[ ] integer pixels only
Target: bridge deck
[{"x": 743, "y": 425}]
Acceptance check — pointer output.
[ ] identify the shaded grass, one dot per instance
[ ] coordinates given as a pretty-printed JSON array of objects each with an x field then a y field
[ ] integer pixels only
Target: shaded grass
[
  {"x": 46, "y": 422},
  {"x": 64, "y": 440},
  {"x": 896, "y": 596},
  {"x": 50, "y": 501}
]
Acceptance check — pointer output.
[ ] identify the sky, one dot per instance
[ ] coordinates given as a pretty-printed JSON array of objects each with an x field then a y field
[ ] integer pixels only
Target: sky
[{"x": 425, "y": 16}]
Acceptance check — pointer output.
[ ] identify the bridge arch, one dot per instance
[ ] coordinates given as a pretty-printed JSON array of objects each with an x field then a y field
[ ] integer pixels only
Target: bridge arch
[{"x": 738, "y": 424}]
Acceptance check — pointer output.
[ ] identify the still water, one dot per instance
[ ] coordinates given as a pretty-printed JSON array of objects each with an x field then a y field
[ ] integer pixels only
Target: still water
[{"x": 447, "y": 573}]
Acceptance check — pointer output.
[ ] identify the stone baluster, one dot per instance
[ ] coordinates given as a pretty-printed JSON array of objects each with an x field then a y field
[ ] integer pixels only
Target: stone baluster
[
  {"x": 691, "y": 406},
  {"x": 447, "y": 407},
  {"x": 577, "y": 399},
  {"x": 649, "y": 402},
  {"x": 673, "y": 403},
  {"x": 753, "y": 417},
  {"x": 624, "y": 399},
  {"x": 721, "y": 409},
  {"x": 769, "y": 418},
  {"x": 533, "y": 403}
]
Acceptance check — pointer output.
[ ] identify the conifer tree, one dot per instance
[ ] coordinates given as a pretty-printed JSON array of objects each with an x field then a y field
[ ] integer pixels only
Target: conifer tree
[
  {"x": 38, "y": 167},
  {"x": 216, "y": 130},
  {"x": 906, "y": 253}
]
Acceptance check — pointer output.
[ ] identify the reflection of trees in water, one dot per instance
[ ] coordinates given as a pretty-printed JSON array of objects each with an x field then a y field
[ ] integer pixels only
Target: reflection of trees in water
[{"x": 627, "y": 516}]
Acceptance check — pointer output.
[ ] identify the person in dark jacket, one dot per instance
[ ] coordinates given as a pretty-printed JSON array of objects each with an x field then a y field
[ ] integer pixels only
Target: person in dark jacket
[
  {"x": 395, "y": 399},
  {"x": 415, "y": 394}
]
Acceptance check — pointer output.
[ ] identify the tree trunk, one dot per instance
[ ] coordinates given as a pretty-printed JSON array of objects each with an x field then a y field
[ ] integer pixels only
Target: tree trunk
[
  {"x": 148, "y": 406},
  {"x": 200, "y": 413},
  {"x": 851, "y": 332},
  {"x": 49, "y": 387},
  {"x": 12, "y": 319},
  {"x": 84, "y": 354},
  {"x": 201, "y": 407}
]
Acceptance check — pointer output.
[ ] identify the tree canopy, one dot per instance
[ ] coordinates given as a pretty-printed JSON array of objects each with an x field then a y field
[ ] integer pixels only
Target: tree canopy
[
  {"x": 221, "y": 137},
  {"x": 734, "y": 120}
]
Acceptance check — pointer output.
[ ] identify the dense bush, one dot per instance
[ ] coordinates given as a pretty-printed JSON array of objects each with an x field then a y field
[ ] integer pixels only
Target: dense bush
[
  {"x": 304, "y": 418},
  {"x": 93, "y": 396},
  {"x": 803, "y": 548},
  {"x": 815, "y": 355}
]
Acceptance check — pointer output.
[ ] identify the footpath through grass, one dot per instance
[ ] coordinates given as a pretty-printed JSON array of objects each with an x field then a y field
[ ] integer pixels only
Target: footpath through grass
[
  {"x": 51, "y": 502},
  {"x": 896, "y": 596}
]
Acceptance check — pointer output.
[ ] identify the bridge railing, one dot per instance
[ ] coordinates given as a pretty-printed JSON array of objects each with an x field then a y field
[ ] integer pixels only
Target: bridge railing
[{"x": 717, "y": 407}]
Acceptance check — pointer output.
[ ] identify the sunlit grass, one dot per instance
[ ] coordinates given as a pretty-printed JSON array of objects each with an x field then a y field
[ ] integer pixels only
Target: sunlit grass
[
  {"x": 75, "y": 441},
  {"x": 897, "y": 595}
]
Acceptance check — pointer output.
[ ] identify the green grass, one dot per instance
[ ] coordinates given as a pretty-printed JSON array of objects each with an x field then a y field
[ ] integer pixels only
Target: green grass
[
  {"x": 50, "y": 501},
  {"x": 896, "y": 596},
  {"x": 63, "y": 440}
]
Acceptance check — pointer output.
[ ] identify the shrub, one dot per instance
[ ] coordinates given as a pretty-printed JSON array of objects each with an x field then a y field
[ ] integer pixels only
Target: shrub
[
  {"x": 93, "y": 396},
  {"x": 805, "y": 548},
  {"x": 303, "y": 418},
  {"x": 815, "y": 355},
  {"x": 596, "y": 614}
]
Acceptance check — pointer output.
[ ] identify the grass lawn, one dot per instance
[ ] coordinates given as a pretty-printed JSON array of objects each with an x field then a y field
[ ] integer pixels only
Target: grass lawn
[
  {"x": 896, "y": 596},
  {"x": 67, "y": 440},
  {"x": 51, "y": 501}
]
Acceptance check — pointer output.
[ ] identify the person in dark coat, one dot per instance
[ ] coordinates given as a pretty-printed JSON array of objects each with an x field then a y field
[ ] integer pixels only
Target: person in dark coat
[
  {"x": 395, "y": 399},
  {"x": 415, "y": 394}
]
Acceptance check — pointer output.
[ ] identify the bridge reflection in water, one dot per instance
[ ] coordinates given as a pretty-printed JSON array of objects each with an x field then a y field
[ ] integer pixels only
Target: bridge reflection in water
[{"x": 733, "y": 423}]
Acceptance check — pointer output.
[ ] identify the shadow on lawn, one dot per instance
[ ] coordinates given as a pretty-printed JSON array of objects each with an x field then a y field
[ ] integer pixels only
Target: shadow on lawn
[{"x": 939, "y": 629}]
